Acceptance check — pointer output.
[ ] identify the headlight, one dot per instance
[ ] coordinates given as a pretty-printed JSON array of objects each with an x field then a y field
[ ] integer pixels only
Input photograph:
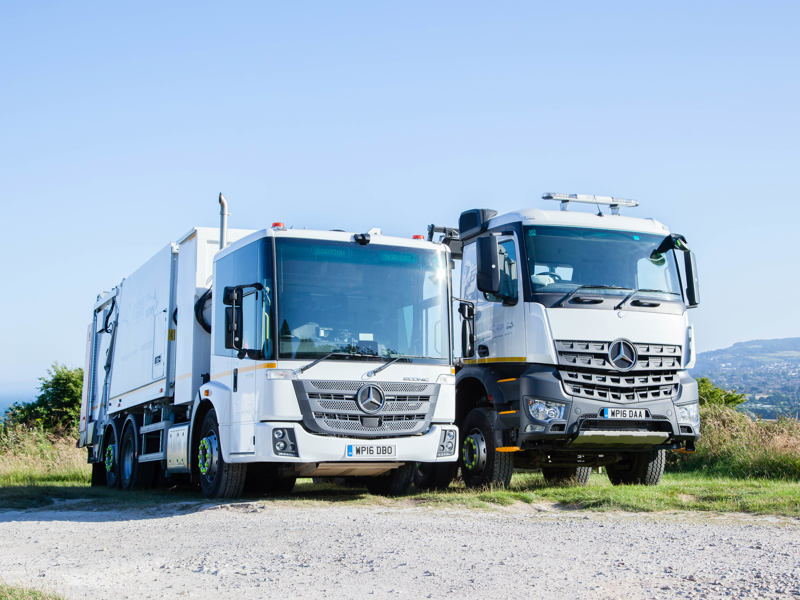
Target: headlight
[
  {"x": 545, "y": 410},
  {"x": 689, "y": 413}
]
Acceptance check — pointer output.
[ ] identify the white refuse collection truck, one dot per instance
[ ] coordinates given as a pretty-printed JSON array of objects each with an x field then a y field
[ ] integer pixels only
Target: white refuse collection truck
[
  {"x": 286, "y": 353},
  {"x": 575, "y": 343}
]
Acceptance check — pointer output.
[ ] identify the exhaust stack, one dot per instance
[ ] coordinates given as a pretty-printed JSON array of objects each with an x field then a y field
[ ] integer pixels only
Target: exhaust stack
[{"x": 223, "y": 221}]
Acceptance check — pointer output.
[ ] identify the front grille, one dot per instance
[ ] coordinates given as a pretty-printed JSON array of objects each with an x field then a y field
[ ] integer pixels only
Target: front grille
[
  {"x": 330, "y": 407},
  {"x": 587, "y": 373}
]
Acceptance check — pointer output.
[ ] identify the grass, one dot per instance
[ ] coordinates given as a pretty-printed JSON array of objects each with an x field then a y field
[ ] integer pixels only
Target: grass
[
  {"x": 733, "y": 445},
  {"x": 727, "y": 474},
  {"x": 9, "y": 592}
]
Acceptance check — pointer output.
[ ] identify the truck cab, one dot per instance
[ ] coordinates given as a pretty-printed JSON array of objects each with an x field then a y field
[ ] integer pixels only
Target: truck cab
[
  {"x": 575, "y": 344},
  {"x": 288, "y": 353}
]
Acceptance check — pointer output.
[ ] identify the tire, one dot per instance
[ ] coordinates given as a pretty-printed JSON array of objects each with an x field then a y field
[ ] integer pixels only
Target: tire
[
  {"x": 638, "y": 468},
  {"x": 396, "y": 482},
  {"x": 263, "y": 479},
  {"x": 481, "y": 464},
  {"x": 110, "y": 458},
  {"x": 132, "y": 473},
  {"x": 566, "y": 475},
  {"x": 434, "y": 476},
  {"x": 218, "y": 479}
]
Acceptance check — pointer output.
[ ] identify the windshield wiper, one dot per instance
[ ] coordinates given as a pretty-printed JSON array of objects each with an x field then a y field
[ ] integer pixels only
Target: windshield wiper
[
  {"x": 305, "y": 368},
  {"x": 391, "y": 361},
  {"x": 634, "y": 292},
  {"x": 589, "y": 287}
]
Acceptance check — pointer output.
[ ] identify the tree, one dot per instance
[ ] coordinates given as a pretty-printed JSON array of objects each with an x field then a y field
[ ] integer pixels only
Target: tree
[
  {"x": 58, "y": 405},
  {"x": 711, "y": 394}
]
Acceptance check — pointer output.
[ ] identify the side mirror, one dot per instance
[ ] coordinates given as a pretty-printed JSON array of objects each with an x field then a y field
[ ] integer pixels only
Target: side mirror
[
  {"x": 692, "y": 284},
  {"x": 467, "y": 311},
  {"x": 488, "y": 258}
]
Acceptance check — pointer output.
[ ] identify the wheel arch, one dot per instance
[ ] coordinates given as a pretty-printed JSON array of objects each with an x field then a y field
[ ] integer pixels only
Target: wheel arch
[
  {"x": 217, "y": 398},
  {"x": 476, "y": 387}
]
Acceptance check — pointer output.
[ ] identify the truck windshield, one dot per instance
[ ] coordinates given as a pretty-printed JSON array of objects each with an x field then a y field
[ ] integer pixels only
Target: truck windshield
[
  {"x": 603, "y": 261},
  {"x": 370, "y": 301}
]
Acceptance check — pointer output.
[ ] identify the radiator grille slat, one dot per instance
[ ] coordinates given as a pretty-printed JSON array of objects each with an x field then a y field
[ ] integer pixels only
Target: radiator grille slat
[{"x": 587, "y": 373}]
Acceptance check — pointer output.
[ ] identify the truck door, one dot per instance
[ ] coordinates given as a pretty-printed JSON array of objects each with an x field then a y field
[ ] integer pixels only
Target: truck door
[
  {"x": 243, "y": 407},
  {"x": 499, "y": 320}
]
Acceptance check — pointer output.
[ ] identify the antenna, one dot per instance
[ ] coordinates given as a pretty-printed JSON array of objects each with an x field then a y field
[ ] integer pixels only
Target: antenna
[{"x": 610, "y": 201}]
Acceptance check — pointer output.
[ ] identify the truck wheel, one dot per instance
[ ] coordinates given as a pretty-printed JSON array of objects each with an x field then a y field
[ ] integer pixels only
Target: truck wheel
[
  {"x": 434, "y": 476},
  {"x": 132, "y": 473},
  {"x": 481, "y": 464},
  {"x": 218, "y": 479},
  {"x": 566, "y": 475},
  {"x": 396, "y": 482},
  {"x": 110, "y": 458},
  {"x": 638, "y": 468}
]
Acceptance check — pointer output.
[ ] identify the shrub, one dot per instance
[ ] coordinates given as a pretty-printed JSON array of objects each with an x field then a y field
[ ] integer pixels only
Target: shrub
[
  {"x": 734, "y": 445},
  {"x": 711, "y": 394},
  {"x": 58, "y": 405}
]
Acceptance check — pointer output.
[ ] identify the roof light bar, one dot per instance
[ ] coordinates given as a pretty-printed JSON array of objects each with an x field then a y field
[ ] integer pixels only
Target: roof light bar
[{"x": 610, "y": 201}]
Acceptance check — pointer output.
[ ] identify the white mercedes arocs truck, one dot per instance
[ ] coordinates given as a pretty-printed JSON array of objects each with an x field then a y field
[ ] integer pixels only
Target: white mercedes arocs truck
[
  {"x": 575, "y": 344},
  {"x": 286, "y": 353}
]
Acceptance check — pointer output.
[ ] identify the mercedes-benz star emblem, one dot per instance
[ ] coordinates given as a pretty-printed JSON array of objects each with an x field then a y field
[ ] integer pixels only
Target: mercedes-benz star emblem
[
  {"x": 370, "y": 399},
  {"x": 622, "y": 355}
]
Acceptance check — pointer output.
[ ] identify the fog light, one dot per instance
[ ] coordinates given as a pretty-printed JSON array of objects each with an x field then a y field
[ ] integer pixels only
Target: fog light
[
  {"x": 284, "y": 442},
  {"x": 447, "y": 443},
  {"x": 533, "y": 428}
]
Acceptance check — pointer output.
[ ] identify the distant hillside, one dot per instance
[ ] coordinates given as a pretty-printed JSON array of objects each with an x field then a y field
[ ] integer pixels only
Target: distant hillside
[{"x": 768, "y": 371}]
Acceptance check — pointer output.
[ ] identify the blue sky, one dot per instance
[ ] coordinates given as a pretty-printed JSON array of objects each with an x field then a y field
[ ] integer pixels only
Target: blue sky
[{"x": 120, "y": 124}]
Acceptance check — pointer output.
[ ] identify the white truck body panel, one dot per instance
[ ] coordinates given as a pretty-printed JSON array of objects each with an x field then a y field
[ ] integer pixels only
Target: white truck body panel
[
  {"x": 195, "y": 263},
  {"x": 144, "y": 302}
]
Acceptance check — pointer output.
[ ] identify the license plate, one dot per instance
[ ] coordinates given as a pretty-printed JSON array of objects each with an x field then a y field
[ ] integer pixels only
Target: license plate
[
  {"x": 625, "y": 413},
  {"x": 371, "y": 451}
]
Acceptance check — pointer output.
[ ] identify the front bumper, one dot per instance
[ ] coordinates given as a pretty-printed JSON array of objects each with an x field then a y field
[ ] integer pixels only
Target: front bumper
[
  {"x": 583, "y": 427},
  {"x": 314, "y": 448}
]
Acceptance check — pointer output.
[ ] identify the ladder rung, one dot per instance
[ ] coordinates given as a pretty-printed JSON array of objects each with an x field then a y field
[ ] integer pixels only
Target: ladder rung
[
  {"x": 153, "y": 456},
  {"x": 154, "y": 427}
]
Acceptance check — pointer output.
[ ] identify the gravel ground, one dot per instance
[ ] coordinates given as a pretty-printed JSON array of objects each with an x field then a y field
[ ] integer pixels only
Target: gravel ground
[{"x": 326, "y": 550}]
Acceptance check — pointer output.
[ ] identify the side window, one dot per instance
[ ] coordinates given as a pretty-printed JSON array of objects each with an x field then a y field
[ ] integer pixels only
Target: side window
[
  {"x": 246, "y": 266},
  {"x": 508, "y": 274}
]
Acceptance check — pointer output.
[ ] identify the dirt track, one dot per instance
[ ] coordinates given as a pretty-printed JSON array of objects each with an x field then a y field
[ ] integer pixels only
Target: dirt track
[{"x": 289, "y": 550}]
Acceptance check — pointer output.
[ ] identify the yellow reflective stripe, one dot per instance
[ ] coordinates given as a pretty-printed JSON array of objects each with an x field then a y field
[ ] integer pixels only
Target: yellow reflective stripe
[
  {"x": 508, "y": 449},
  {"x": 269, "y": 365},
  {"x": 507, "y": 412},
  {"x": 499, "y": 359},
  {"x": 506, "y": 380}
]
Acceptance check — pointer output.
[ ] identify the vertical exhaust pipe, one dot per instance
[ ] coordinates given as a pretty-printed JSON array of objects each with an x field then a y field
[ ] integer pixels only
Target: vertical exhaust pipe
[{"x": 223, "y": 221}]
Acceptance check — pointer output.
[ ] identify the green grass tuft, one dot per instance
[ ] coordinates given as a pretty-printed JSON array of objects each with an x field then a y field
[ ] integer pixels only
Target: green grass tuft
[{"x": 8, "y": 592}]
